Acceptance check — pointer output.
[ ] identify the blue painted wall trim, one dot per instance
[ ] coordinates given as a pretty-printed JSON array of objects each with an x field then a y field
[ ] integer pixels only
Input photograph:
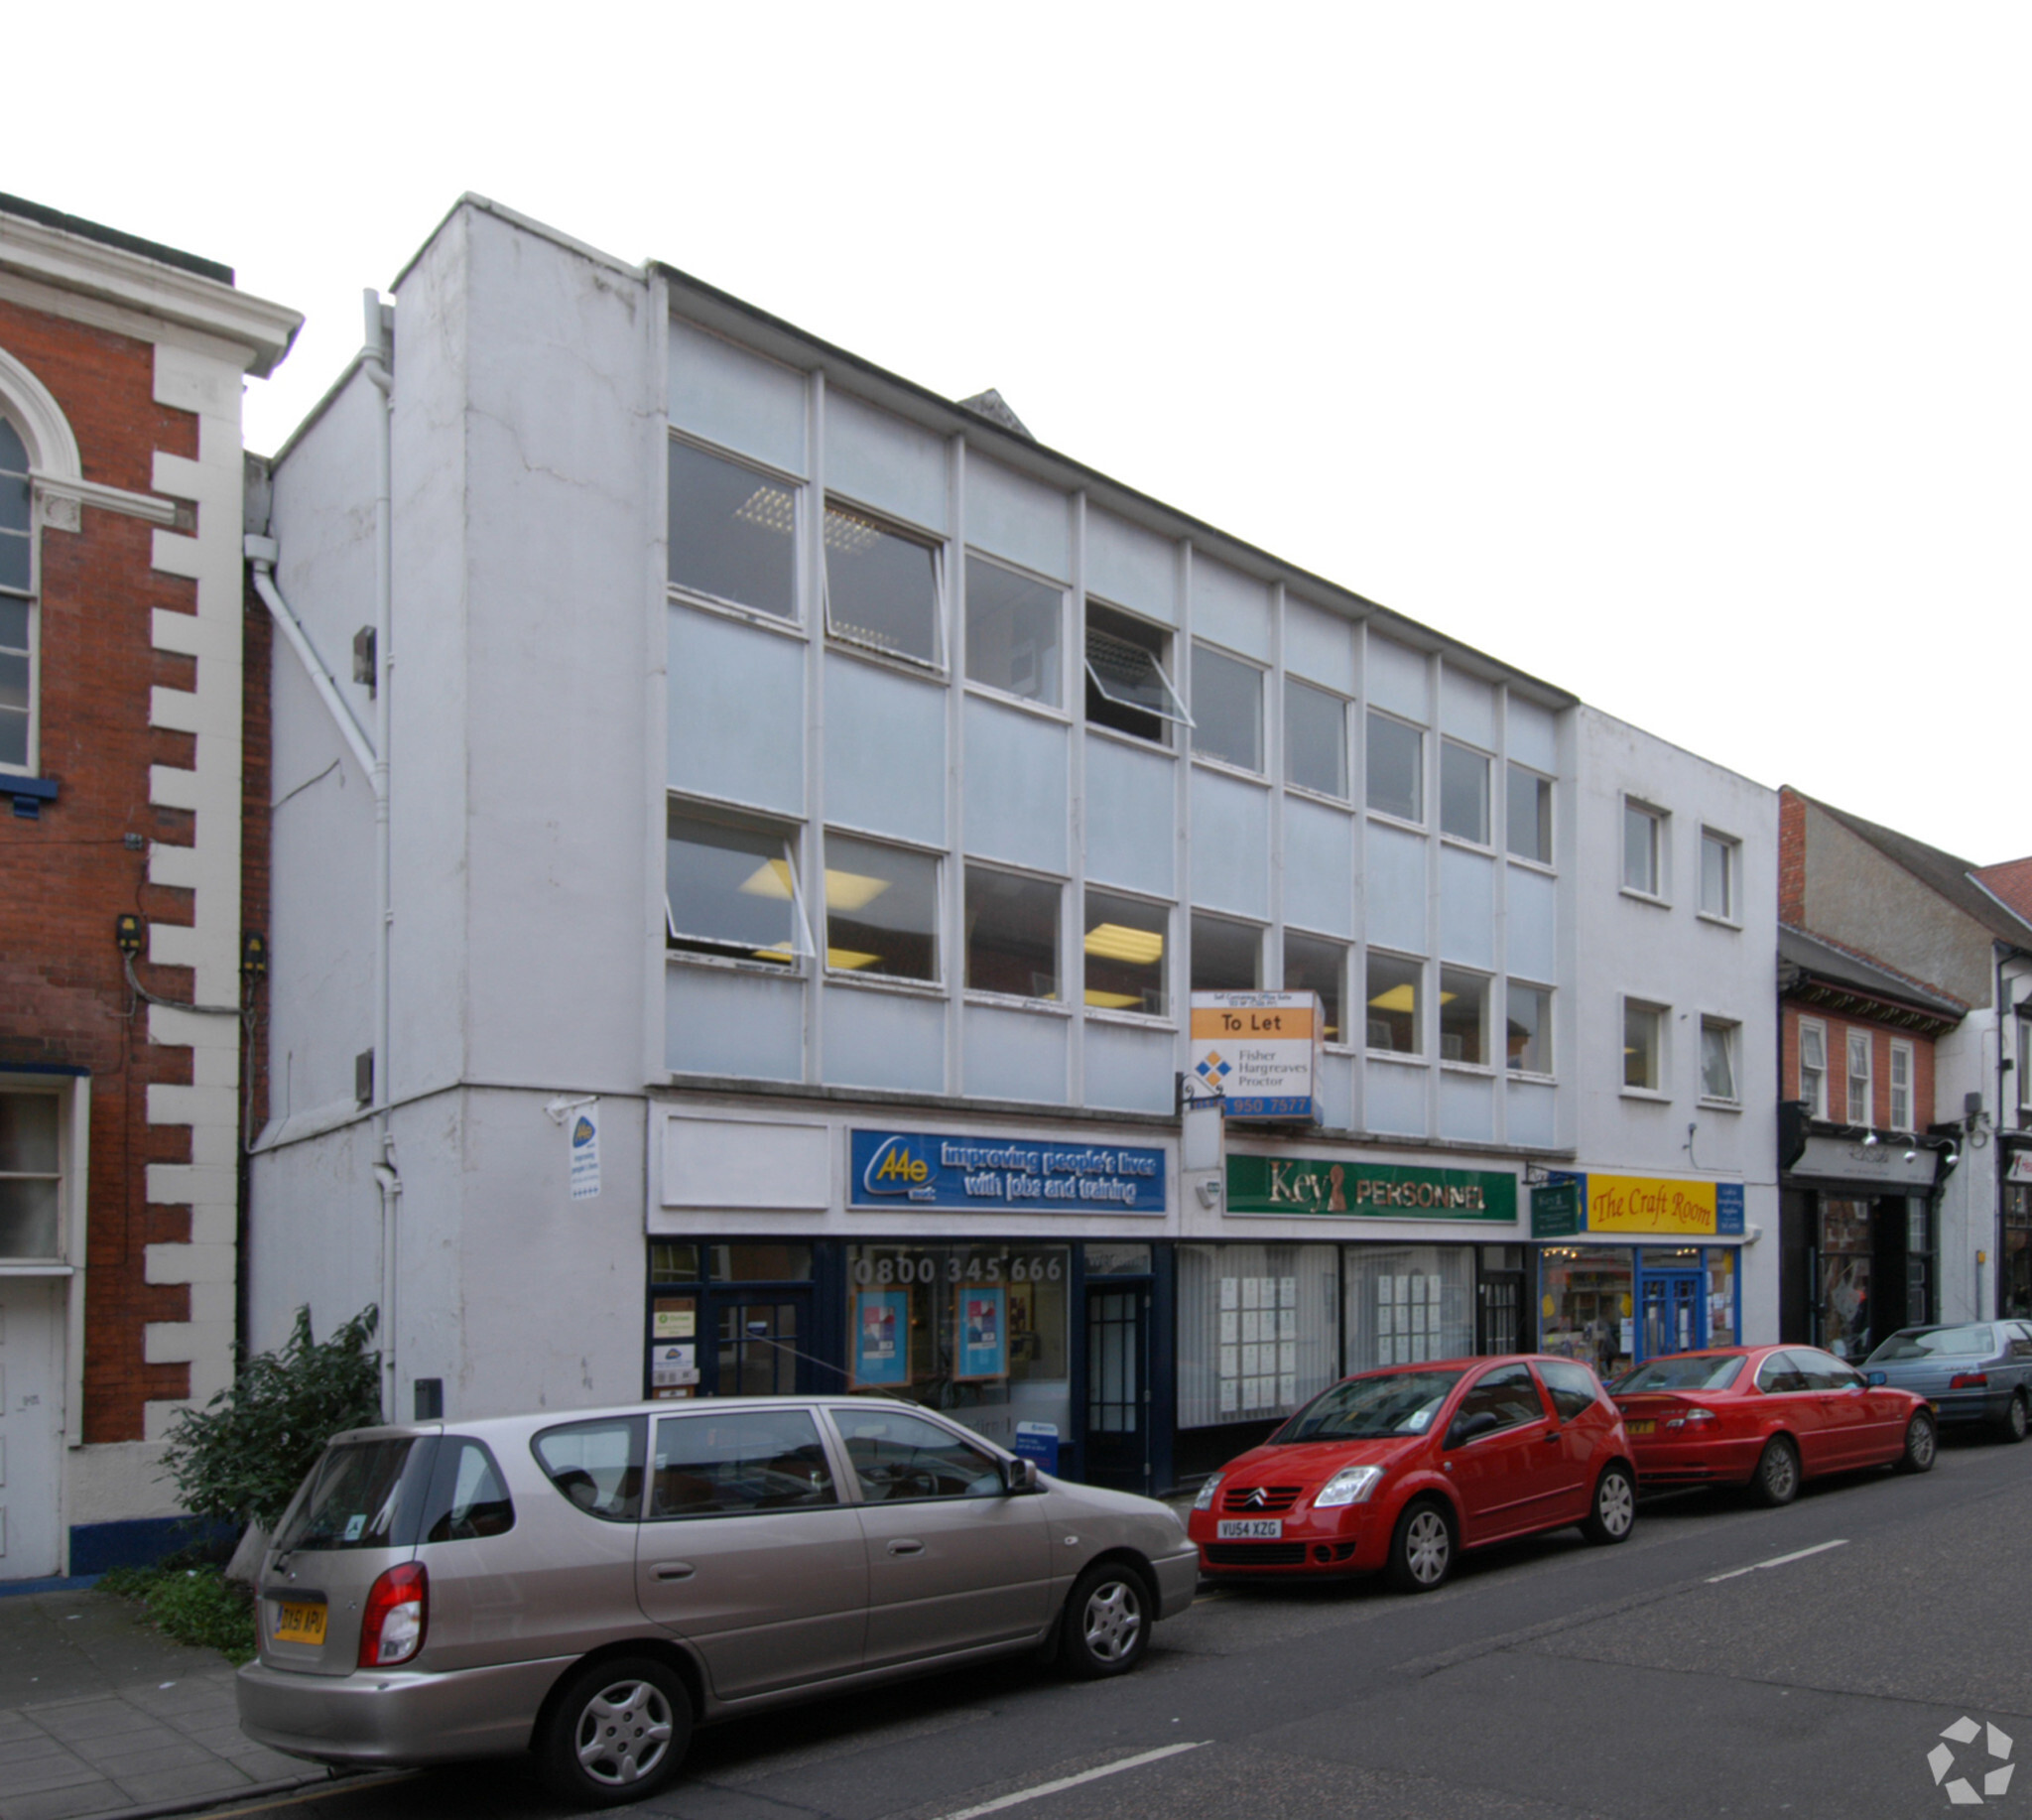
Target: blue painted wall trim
[{"x": 143, "y": 1541}]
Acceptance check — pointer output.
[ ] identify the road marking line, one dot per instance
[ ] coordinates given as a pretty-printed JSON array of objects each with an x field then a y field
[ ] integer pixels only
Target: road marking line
[
  {"x": 1073, "y": 1781},
  {"x": 1798, "y": 1554}
]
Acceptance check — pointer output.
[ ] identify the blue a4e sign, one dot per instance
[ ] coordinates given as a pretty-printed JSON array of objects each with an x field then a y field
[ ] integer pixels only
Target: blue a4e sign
[{"x": 929, "y": 1169}]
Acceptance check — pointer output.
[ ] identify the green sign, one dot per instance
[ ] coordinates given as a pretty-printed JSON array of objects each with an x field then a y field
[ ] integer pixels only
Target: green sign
[
  {"x": 1375, "y": 1191},
  {"x": 1556, "y": 1211}
]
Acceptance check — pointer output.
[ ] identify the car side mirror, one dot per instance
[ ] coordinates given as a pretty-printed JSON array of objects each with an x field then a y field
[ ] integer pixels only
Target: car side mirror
[
  {"x": 1878, "y": 1377},
  {"x": 1466, "y": 1427},
  {"x": 1021, "y": 1476}
]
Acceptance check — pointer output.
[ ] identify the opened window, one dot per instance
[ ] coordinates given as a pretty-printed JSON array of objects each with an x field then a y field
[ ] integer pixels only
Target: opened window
[
  {"x": 1396, "y": 753},
  {"x": 1643, "y": 850},
  {"x": 17, "y": 604},
  {"x": 1012, "y": 934},
  {"x": 1226, "y": 956},
  {"x": 881, "y": 909},
  {"x": 1528, "y": 1030},
  {"x": 1124, "y": 954},
  {"x": 733, "y": 532},
  {"x": 1395, "y": 988},
  {"x": 1813, "y": 1068},
  {"x": 1718, "y": 1059},
  {"x": 1127, "y": 687},
  {"x": 31, "y": 1177},
  {"x": 881, "y": 586},
  {"x": 1464, "y": 1016},
  {"x": 731, "y": 888},
  {"x": 1227, "y": 709},
  {"x": 1013, "y": 630},
  {"x": 1314, "y": 740},
  {"x": 1313, "y": 966},
  {"x": 1720, "y": 858},
  {"x": 1530, "y": 815},
  {"x": 1464, "y": 792},
  {"x": 1643, "y": 1041}
]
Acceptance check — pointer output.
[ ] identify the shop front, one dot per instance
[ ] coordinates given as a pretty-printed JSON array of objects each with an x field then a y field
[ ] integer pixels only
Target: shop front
[
  {"x": 2014, "y": 1277},
  {"x": 1630, "y": 1268},
  {"x": 1858, "y": 1232}
]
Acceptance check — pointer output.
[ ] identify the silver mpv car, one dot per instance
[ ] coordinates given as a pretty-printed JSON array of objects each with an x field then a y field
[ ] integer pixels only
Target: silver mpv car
[{"x": 587, "y": 1585}]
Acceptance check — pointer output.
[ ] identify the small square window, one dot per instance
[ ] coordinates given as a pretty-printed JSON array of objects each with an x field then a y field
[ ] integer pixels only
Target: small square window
[
  {"x": 733, "y": 531},
  {"x": 1643, "y": 860},
  {"x": 1227, "y": 709},
  {"x": 1643, "y": 1035},
  {"x": 1719, "y": 858},
  {"x": 1314, "y": 740},
  {"x": 1718, "y": 1059},
  {"x": 1012, "y": 934},
  {"x": 881, "y": 586},
  {"x": 1529, "y": 1038},
  {"x": 1813, "y": 1068},
  {"x": 1312, "y": 966},
  {"x": 1530, "y": 815},
  {"x": 1124, "y": 954},
  {"x": 1396, "y": 781},
  {"x": 1013, "y": 632},
  {"x": 1226, "y": 956},
  {"x": 731, "y": 888},
  {"x": 881, "y": 910},
  {"x": 1464, "y": 1016},
  {"x": 1127, "y": 687},
  {"x": 1394, "y": 1009},
  {"x": 1464, "y": 792}
]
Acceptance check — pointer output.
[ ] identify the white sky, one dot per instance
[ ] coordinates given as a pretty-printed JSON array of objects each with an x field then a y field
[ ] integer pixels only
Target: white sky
[{"x": 1677, "y": 356}]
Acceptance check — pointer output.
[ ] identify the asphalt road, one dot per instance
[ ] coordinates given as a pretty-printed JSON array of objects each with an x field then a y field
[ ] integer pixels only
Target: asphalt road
[{"x": 1549, "y": 1680}]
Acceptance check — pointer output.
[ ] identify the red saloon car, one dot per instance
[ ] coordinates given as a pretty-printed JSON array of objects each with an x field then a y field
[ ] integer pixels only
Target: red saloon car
[
  {"x": 1766, "y": 1417},
  {"x": 1401, "y": 1469}
]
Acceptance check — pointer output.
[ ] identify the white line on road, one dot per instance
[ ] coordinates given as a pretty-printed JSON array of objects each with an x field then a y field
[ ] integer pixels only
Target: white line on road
[
  {"x": 1798, "y": 1554},
  {"x": 1073, "y": 1781}
]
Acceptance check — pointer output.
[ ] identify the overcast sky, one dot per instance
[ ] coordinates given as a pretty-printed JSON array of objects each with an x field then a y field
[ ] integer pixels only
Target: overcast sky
[{"x": 1681, "y": 357}]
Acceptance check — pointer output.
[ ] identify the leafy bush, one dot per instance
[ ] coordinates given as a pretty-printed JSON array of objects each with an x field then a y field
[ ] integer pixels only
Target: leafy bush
[
  {"x": 243, "y": 1455},
  {"x": 193, "y": 1605}
]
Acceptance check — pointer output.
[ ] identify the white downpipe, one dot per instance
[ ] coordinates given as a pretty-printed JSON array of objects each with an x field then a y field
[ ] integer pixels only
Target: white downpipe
[{"x": 262, "y": 553}]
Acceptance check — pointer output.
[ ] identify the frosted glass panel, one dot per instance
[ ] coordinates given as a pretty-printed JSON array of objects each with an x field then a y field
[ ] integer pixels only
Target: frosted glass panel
[
  {"x": 1466, "y": 1107},
  {"x": 1318, "y": 867},
  {"x": 1128, "y": 1069},
  {"x": 1468, "y": 907},
  {"x": 875, "y": 1039},
  {"x": 723, "y": 1022},
  {"x": 1014, "y": 1056},
  {"x": 1531, "y": 1114},
  {"x": 1130, "y": 817},
  {"x": 885, "y": 752},
  {"x": 1319, "y": 645},
  {"x": 884, "y": 462},
  {"x": 1393, "y": 889},
  {"x": 1013, "y": 516},
  {"x": 1337, "y": 1092},
  {"x": 1532, "y": 734},
  {"x": 1534, "y": 953},
  {"x": 1394, "y": 1099},
  {"x": 1397, "y": 679},
  {"x": 1131, "y": 567},
  {"x": 1015, "y": 792},
  {"x": 737, "y": 712},
  {"x": 1468, "y": 707},
  {"x": 1230, "y": 844},
  {"x": 737, "y": 399},
  {"x": 1230, "y": 610}
]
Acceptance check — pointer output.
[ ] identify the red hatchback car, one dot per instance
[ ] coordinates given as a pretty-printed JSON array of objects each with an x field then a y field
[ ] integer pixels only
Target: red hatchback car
[
  {"x": 1766, "y": 1417},
  {"x": 1401, "y": 1469}
]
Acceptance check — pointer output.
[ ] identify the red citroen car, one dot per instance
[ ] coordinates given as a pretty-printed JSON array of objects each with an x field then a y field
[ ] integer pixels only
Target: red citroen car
[
  {"x": 1401, "y": 1469},
  {"x": 1766, "y": 1417}
]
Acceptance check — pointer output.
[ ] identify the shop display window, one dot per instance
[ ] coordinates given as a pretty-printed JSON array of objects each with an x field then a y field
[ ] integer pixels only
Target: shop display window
[
  {"x": 1588, "y": 1309},
  {"x": 1845, "y": 1284},
  {"x": 1408, "y": 1303},
  {"x": 1721, "y": 1298},
  {"x": 1257, "y": 1330},
  {"x": 2017, "y": 1259}
]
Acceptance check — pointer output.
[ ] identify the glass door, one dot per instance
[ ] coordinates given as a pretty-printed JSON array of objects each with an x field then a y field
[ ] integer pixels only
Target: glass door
[
  {"x": 1672, "y": 1311},
  {"x": 1118, "y": 1385},
  {"x": 759, "y": 1346}
]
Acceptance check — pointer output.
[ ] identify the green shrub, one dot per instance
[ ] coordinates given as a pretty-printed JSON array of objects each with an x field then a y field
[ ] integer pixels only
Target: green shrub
[
  {"x": 243, "y": 1455},
  {"x": 195, "y": 1605}
]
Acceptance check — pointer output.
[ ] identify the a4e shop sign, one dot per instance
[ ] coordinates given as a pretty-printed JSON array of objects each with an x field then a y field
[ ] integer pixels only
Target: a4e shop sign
[
  {"x": 1286, "y": 1185},
  {"x": 914, "y": 1169}
]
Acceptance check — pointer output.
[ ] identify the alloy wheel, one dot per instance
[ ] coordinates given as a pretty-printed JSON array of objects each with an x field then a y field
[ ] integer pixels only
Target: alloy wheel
[
  {"x": 1427, "y": 1546},
  {"x": 1615, "y": 1504},
  {"x": 1113, "y": 1620},
  {"x": 623, "y": 1733}
]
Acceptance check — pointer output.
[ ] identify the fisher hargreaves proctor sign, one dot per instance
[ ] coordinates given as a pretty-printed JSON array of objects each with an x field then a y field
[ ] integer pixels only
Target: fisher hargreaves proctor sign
[{"x": 1258, "y": 1051}]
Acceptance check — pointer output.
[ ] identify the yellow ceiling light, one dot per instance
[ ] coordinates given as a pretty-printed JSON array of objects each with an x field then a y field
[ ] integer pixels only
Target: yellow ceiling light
[
  {"x": 769, "y": 879},
  {"x": 1398, "y": 998},
  {"x": 851, "y": 890},
  {"x": 1116, "y": 942},
  {"x": 1115, "y": 1001},
  {"x": 782, "y": 952},
  {"x": 847, "y": 960}
]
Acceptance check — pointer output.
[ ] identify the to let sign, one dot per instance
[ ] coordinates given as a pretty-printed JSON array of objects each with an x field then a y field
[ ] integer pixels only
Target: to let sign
[{"x": 1259, "y": 1051}]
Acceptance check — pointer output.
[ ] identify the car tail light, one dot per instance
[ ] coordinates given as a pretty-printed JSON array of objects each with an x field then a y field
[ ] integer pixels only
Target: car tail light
[
  {"x": 1695, "y": 1417},
  {"x": 398, "y": 1608},
  {"x": 1970, "y": 1381}
]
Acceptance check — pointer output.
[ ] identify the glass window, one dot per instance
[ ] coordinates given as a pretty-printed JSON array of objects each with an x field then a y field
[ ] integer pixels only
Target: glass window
[
  {"x": 760, "y": 1263},
  {"x": 1530, "y": 832},
  {"x": 1463, "y": 792},
  {"x": 31, "y": 1178},
  {"x": 1721, "y": 1298},
  {"x": 674, "y": 1263},
  {"x": 1813, "y": 1068},
  {"x": 17, "y": 693},
  {"x": 1124, "y": 952},
  {"x": 881, "y": 910},
  {"x": 354, "y": 1499},
  {"x": 1901, "y": 1088},
  {"x": 1464, "y": 1016},
  {"x": 731, "y": 888},
  {"x": 1226, "y": 956},
  {"x": 881, "y": 588},
  {"x": 1718, "y": 1059},
  {"x": 1509, "y": 1394},
  {"x": 1585, "y": 1311},
  {"x": 1012, "y": 631},
  {"x": 724, "y": 1465},
  {"x": 1396, "y": 768},
  {"x": 733, "y": 532},
  {"x": 17, "y": 610},
  {"x": 596, "y": 1465},
  {"x": 1973, "y": 1341},
  {"x": 1314, "y": 740},
  {"x": 1257, "y": 1329},
  {"x": 1312, "y": 966},
  {"x": 1641, "y": 850},
  {"x": 1686, "y": 1372},
  {"x": 1528, "y": 1038},
  {"x": 1372, "y": 1408},
  {"x": 1012, "y": 934},
  {"x": 1227, "y": 709},
  {"x": 1641, "y": 1037},
  {"x": 902, "y": 1459},
  {"x": 469, "y": 1501},
  {"x": 1718, "y": 858},
  {"x": 1394, "y": 1019},
  {"x": 1859, "y": 1109},
  {"x": 1780, "y": 1373},
  {"x": 1127, "y": 687},
  {"x": 1408, "y": 1303},
  {"x": 1571, "y": 1385}
]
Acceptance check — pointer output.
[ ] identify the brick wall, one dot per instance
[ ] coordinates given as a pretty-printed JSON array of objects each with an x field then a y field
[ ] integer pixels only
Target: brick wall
[
  {"x": 1791, "y": 858},
  {"x": 1881, "y": 1038}
]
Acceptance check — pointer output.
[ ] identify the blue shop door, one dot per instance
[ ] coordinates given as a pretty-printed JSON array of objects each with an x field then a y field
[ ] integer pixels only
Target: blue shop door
[{"x": 1672, "y": 1313}]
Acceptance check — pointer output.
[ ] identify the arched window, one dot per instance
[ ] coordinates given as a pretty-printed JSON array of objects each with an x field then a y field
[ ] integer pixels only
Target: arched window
[{"x": 16, "y": 603}]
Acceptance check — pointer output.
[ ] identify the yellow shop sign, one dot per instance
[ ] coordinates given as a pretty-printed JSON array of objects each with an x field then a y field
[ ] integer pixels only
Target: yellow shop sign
[{"x": 1638, "y": 1204}]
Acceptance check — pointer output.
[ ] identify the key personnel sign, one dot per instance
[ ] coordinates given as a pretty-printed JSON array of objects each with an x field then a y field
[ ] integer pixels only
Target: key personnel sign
[
  {"x": 1260, "y": 1051},
  {"x": 1306, "y": 1184}
]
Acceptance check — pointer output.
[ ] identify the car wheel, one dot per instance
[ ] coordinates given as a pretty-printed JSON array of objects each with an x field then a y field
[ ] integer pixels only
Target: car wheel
[
  {"x": 1777, "y": 1477},
  {"x": 2017, "y": 1420},
  {"x": 1106, "y": 1626},
  {"x": 1920, "y": 1444},
  {"x": 616, "y": 1731},
  {"x": 1422, "y": 1549},
  {"x": 1616, "y": 1506}
]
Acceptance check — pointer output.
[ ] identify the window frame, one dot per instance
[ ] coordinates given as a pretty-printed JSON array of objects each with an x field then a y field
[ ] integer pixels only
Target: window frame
[
  {"x": 1166, "y": 912},
  {"x": 888, "y": 525},
  {"x": 1345, "y": 795},
  {"x": 1176, "y": 714},
  {"x": 32, "y": 600},
  {"x": 1851, "y": 1037},
  {"x": 1816, "y": 1100},
  {"x": 804, "y": 950},
  {"x": 1488, "y": 764},
  {"x": 1058, "y": 1001},
  {"x": 1422, "y": 808},
  {"x": 1730, "y": 850},
  {"x": 1906, "y": 1053},
  {"x": 1339, "y": 1009},
  {"x": 1195, "y": 918},
  {"x": 1417, "y": 965},
  {"x": 1634, "y": 1007},
  {"x": 1486, "y": 984},
  {"x": 1513, "y": 771},
  {"x": 1657, "y": 891},
  {"x": 687, "y": 594},
  {"x": 1729, "y": 1030},
  {"x": 968, "y": 556},
  {"x": 28, "y": 1087},
  {"x": 1551, "y": 1070},
  {"x": 935, "y": 983}
]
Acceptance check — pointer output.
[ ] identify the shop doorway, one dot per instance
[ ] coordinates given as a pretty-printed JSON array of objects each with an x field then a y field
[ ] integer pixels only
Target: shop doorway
[
  {"x": 759, "y": 1344},
  {"x": 1500, "y": 1312},
  {"x": 1672, "y": 1311},
  {"x": 30, "y": 1426},
  {"x": 1118, "y": 1385}
]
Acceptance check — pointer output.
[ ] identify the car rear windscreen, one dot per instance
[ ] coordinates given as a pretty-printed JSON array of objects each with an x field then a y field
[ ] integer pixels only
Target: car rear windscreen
[
  {"x": 1975, "y": 1340},
  {"x": 354, "y": 1500},
  {"x": 1691, "y": 1373}
]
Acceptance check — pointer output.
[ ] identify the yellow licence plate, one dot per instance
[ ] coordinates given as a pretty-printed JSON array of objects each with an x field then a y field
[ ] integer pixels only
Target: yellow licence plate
[
  {"x": 1640, "y": 1428},
  {"x": 300, "y": 1622}
]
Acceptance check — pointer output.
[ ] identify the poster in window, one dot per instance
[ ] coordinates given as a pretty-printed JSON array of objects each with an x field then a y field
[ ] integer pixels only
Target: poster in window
[
  {"x": 982, "y": 1331},
  {"x": 881, "y": 1337},
  {"x": 676, "y": 1318}
]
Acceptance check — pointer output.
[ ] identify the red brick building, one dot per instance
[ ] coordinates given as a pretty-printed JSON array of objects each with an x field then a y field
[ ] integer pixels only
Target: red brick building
[{"x": 121, "y": 713}]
